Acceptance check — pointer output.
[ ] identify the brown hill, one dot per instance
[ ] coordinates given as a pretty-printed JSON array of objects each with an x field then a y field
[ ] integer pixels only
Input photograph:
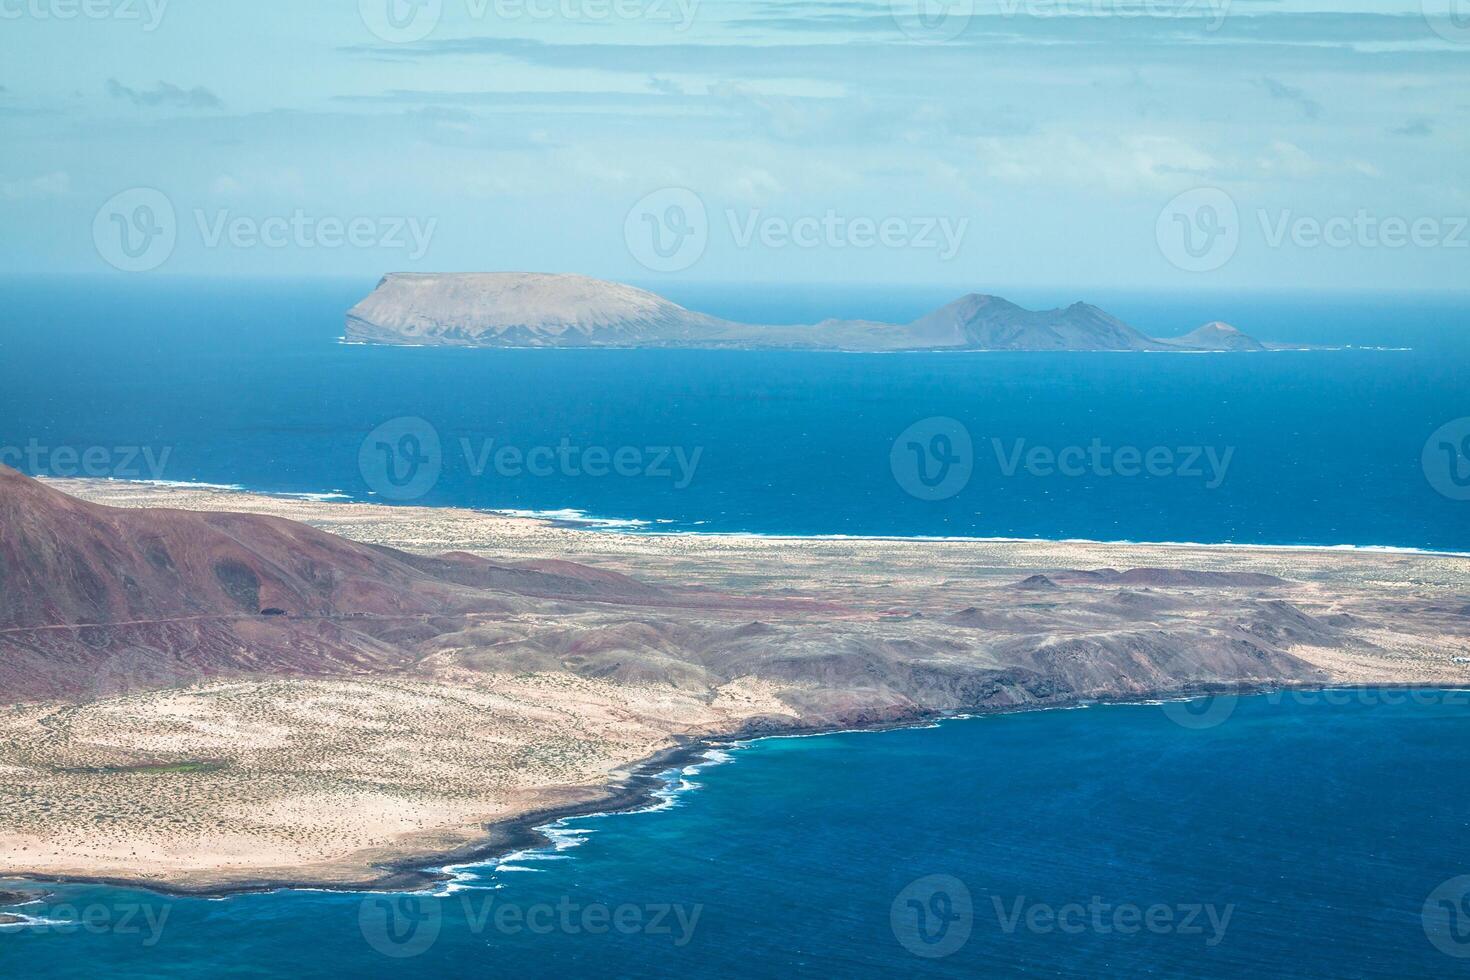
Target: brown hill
[
  {"x": 171, "y": 595},
  {"x": 97, "y": 601}
]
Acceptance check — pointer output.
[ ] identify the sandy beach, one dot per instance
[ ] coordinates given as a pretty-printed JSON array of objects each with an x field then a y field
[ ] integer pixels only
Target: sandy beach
[{"x": 353, "y": 780}]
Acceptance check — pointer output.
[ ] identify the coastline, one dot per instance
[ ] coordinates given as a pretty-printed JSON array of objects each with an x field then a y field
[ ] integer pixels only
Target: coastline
[
  {"x": 637, "y": 792},
  {"x": 416, "y": 874},
  {"x": 880, "y": 591},
  {"x": 346, "y": 341},
  {"x": 573, "y": 519}
]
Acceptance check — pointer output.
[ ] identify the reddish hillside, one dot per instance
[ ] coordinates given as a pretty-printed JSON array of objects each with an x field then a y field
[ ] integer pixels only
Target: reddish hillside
[{"x": 166, "y": 595}]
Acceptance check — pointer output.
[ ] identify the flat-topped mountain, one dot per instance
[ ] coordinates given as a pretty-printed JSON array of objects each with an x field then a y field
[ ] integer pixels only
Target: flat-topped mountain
[
  {"x": 533, "y": 309},
  {"x": 521, "y": 309}
]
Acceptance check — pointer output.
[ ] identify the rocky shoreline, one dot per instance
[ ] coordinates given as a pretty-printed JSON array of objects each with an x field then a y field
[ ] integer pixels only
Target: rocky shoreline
[
  {"x": 637, "y": 791},
  {"x": 535, "y": 672}
]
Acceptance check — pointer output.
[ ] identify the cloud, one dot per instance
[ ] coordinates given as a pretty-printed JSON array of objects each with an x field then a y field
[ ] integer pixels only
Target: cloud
[
  {"x": 520, "y": 101},
  {"x": 57, "y": 184},
  {"x": 225, "y": 186},
  {"x": 1415, "y": 128},
  {"x": 755, "y": 185},
  {"x": 165, "y": 94},
  {"x": 1310, "y": 107},
  {"x": 1071, "y": 159},
  {"x": 1288, "y": 160}
]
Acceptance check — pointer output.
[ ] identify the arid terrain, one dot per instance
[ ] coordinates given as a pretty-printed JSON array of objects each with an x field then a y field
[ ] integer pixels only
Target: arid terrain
[
  {"x": 213, "y": 697},
  {"x": 532, "y": 309}
]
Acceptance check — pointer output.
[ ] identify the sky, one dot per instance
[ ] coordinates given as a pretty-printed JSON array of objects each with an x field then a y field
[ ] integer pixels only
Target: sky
[{"x": 1122, "y": 143}]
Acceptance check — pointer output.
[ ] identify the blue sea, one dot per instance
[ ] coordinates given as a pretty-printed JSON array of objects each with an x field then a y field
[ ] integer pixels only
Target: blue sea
[
  {"x": 1321, "y": 835},
  {"x": 1303, "y": 836},
  {"x": 246, "y": 384}
]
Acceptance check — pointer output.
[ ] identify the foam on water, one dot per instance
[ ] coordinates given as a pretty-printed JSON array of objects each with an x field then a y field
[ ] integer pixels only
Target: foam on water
[{"x": 572, "y": 517}]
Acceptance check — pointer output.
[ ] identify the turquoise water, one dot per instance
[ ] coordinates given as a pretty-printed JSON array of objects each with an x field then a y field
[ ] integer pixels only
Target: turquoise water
[
  {"x": 245, "y": 384},
  {"x": 1301, "y": 836},
  {"x": 1298, "y": 838}
]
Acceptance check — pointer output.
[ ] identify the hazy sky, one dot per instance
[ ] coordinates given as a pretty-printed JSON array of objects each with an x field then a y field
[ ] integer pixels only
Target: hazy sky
[{"x": 989, "y": 142}]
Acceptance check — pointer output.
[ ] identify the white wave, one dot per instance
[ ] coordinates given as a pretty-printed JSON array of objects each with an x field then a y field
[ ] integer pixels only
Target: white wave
[
  {"x": 712, "y": 757},
  {"x": 34, "y": 922},
  {"x": 564, "y": 835},
  {"x": 462, "y": 877},
  {"x": 320, "y": 498},
  {"x": 1130, "y": 542},
  {"x": 564, "y": 838},
  {"x": 475, "y": 884},
  {"x": 580, "y": 518},
  {"x": 570, "y": 831},
  {"x": 535, "y": 855},
  {"x": 572, "y": 515},
  {"x": 182, "y": 484}
]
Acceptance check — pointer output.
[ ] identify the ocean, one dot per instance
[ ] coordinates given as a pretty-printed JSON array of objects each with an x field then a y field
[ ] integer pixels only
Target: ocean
[
  {"x": 1303, "y": 835},
  {"x": 246, "y": 384}
]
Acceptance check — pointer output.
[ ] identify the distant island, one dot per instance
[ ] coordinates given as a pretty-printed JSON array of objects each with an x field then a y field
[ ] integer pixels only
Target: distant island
[{"x": 532, "y": 309}]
